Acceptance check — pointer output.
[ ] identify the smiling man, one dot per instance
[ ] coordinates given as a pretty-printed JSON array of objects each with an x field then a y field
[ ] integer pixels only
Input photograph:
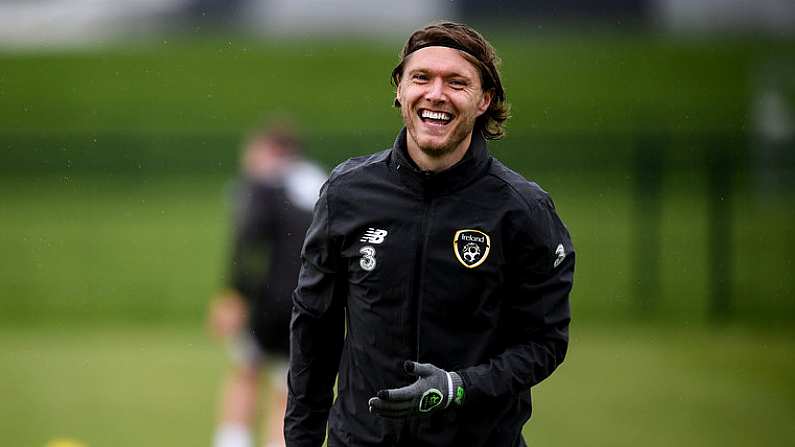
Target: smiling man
[
  {"x": 440, "y": 98},
  {"x": 435, "y": 280}
]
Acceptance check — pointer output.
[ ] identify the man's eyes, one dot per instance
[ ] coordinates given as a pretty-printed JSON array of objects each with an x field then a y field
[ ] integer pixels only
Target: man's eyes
[{"x": 458, "y": 83}]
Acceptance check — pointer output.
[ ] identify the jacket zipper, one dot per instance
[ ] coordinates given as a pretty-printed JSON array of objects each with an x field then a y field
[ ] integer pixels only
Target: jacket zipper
[{"x": 419, "y": 272}]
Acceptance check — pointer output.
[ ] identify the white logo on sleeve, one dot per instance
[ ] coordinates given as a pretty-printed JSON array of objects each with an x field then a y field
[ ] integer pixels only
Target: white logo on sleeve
[
  {"x": 560, "y": 254},
  {"x": 374, "y": 236}
]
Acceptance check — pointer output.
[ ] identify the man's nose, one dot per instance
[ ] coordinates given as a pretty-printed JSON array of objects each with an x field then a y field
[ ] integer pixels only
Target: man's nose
[{"x": 435, "y": 90}]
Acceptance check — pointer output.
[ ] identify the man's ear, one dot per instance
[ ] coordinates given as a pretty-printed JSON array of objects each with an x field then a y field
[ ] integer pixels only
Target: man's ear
[
  {"x": 485, "y": 102},
  {"x": 397, "y": 96}
]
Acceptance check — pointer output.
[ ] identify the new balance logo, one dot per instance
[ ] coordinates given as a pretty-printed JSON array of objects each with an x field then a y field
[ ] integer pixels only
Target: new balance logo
[{"x": 374, "y": 236}]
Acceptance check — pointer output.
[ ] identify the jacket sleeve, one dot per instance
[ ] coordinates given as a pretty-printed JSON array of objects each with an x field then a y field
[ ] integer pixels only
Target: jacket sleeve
[
  {"x": 316, "y": 332},
  {"x": 536, "y": 311}
]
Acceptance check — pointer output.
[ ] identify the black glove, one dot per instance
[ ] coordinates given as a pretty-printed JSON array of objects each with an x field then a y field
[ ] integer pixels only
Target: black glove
[{"x": 434, "y": 390}]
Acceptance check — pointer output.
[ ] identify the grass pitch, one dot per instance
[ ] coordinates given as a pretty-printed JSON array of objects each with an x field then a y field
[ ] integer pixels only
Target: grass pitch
[{"x": 128, "y": 386}]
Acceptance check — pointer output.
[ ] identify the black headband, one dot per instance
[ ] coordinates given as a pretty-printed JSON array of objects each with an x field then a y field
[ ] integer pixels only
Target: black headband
[{"x": 443, "y": 43}]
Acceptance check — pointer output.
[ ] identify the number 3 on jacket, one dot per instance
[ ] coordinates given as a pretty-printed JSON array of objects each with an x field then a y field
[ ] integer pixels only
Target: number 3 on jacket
[{"x": 368, "y": 258}]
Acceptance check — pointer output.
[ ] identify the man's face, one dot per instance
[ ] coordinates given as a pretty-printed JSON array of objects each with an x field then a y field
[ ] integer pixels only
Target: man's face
[
  {"x": 263, "y": 159},
  {"x": 440, "y": 97}
]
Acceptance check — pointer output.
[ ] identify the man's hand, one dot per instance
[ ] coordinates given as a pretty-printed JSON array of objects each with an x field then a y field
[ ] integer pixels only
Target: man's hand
[{"x": 434, "y": 390}]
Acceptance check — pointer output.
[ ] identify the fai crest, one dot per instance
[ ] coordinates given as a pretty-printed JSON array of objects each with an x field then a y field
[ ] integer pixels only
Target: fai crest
[{"x": 471, "y": 247}]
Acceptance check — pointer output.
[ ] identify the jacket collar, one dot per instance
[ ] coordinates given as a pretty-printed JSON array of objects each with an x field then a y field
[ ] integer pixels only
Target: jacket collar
[{"x": 472, "y": 166}]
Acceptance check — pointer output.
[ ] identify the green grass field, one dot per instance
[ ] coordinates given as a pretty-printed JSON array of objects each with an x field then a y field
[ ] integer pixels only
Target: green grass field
[
  {"x": 106, "y": 280},
  {"x": 621, "y": 386},
  {"x": 149, "y": 249},
  {"x": 113, "y": 226},
  {"x": 86, "y": 249}
]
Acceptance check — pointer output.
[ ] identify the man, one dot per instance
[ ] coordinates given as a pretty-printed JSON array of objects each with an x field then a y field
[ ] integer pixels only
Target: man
[
  {"x": 434, "y": 280},
  {"x": 273, "y": 208}
]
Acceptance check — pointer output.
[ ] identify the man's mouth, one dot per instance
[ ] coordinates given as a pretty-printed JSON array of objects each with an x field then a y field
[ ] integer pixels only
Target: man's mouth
[{"x": 434, "y": 117}]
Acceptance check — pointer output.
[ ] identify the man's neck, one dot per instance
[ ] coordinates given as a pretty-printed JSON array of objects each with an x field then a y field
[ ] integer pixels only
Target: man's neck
[{"x": 426, "y": 162}]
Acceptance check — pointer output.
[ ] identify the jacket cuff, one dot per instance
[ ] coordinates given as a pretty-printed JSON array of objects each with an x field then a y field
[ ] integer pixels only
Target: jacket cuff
[{"x": 457, "y": 389}]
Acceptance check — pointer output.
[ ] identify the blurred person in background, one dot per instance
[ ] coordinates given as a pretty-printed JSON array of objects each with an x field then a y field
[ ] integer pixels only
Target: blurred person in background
[
  {"x": 273, "y": 202},
  {"x": 435, "y": 280}
]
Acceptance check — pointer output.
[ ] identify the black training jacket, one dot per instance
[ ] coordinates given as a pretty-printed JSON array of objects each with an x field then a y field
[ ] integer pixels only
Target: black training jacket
[{"x": 469, "y": 269}]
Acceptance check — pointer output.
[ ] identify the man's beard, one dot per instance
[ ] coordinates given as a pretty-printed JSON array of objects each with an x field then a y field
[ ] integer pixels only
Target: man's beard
[
  {"x": 439, "y": 152},
  {"x": 450, "y": 145}
]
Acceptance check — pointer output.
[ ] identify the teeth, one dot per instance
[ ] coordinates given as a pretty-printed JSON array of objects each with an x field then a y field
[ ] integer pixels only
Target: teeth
[{"x": 436, "y": 115}]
